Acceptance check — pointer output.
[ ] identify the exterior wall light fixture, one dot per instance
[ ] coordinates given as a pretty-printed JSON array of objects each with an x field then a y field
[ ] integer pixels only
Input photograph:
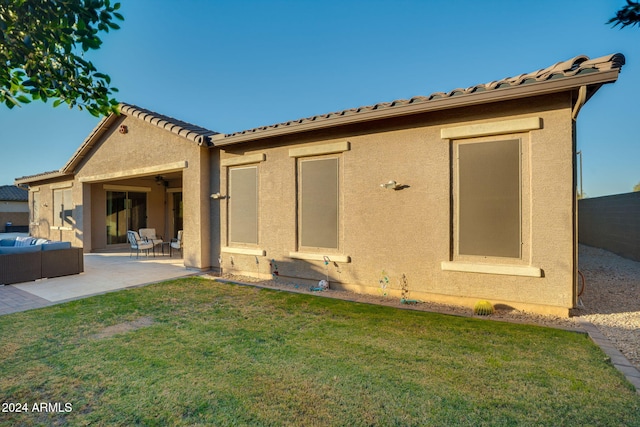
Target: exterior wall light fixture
[{"x": 391, "y": 185}]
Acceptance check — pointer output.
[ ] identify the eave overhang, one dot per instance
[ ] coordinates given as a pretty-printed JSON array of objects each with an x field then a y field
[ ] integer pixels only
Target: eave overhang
[
  {"x": 46, "y": 176},
  {"x": 592, "y": 80}
]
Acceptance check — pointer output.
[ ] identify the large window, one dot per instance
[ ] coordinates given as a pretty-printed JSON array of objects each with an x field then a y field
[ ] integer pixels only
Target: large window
[
  {"x": 243, "y": 205},
  {"x": 489, "y": 199},
  {"x": 318, "y": 203},
  {"x": 62, "y": 208}
]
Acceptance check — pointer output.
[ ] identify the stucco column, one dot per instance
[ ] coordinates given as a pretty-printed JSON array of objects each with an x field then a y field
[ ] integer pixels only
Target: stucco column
[
  {"x": 197, "y": 217},
  {"x": 84, "y": 217}
]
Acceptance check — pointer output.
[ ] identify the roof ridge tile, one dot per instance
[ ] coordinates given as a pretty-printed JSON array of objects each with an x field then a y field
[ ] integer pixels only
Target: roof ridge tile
[{"x": 195, "y": 133}]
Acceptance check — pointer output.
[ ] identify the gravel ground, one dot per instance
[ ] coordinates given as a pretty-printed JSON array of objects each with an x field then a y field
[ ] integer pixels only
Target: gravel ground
[{"x": 611, "y": 300}]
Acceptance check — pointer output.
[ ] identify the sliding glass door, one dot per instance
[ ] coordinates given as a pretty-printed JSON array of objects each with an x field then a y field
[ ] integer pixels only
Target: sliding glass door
[
  {"x": 177, "y": 213},
  {"x": 126, "y": 210}
]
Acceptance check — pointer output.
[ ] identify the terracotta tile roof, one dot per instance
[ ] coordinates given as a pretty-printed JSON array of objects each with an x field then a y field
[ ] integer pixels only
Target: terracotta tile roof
[
  {"x": 577, "y": 66},
  {"x": 11, "y": 193},
  {"x": 195, "y": 133}
]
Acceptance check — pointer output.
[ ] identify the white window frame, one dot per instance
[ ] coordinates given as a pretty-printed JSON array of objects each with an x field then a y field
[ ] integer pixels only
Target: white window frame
[
  {"x": 231, "y": 221},
  {"x": 35, "y": 207},
  {"x": 304, "y": 234},
  {"x": 485, "y": 132},
  {"x": 59, "y": 222},
  {"x": 460, "y": 227},
  {"x": 250, "y": 160},
  {"x": 319, "y": 152}
]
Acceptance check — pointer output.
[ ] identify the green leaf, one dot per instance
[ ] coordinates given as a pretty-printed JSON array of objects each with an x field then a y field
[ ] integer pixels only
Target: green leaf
[{"x": 41, "y": 45}]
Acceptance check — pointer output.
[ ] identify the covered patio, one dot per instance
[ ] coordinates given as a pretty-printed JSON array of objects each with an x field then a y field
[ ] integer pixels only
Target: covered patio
[
  {"x": 135, "y": 170},
  {"x": 133, "y": 203}
]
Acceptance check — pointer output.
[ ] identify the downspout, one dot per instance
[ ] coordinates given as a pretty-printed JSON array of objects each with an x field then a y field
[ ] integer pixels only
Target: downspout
[{"x": 582, "y": 99}]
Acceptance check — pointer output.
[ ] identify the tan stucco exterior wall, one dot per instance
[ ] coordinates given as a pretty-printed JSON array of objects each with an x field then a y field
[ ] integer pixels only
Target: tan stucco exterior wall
[
  {"x": 134, "y": 159},
  {"x": 410, "y": 231},
  {"x": 43, "y": 224}
]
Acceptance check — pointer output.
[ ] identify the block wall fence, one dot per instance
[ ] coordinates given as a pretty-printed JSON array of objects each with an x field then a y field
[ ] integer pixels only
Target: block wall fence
[
  {"x": 15, "y": 218},
  {"x": 611, "y": 223}
]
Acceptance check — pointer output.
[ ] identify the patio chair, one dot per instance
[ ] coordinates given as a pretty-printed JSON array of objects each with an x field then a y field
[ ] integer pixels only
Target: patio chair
[
  {"x": 176, "y": 243},
  {"x": 139, "y": 244},
  {"x": 149, "y": 235}
]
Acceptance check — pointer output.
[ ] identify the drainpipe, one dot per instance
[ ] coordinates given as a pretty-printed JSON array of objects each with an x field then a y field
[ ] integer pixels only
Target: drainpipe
[{"x": 582, "y": 99}]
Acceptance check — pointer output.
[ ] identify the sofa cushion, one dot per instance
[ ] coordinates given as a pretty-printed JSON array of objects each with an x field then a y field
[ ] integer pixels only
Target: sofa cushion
[
  {"x": 8, "y": 242},
  {"x": 6, "y": 250},
  {"x": 24, "y": 241},
  {"x": 54, "y": 246}
]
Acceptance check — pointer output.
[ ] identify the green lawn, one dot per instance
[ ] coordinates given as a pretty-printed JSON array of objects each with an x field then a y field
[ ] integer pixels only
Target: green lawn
[{"x": 196, "y": 352}]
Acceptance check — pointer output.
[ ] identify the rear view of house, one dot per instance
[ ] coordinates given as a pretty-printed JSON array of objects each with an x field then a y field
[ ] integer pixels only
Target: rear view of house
[
  {"x": 463, "y": 195},
  {"x": 456, "y": 196}
]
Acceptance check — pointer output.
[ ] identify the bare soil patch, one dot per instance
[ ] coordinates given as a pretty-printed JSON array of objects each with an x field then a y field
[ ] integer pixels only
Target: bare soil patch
[{"x": 121, "y": 328}]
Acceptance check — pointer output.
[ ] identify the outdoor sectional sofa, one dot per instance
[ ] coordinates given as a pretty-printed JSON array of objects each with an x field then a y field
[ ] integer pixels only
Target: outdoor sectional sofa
[{"x": 26, "y": 259}]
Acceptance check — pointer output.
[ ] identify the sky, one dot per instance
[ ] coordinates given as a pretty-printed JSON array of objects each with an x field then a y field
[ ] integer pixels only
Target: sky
[{"x": 232, "y": 65}]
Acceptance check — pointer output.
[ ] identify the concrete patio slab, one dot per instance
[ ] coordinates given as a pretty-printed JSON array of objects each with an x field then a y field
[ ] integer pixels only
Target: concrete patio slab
[{"x": 104, "y": 272}]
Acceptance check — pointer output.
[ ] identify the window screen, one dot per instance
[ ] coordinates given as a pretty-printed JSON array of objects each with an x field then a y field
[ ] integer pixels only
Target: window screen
[
  {"x": 62, "y": 208},
  {"x": 243, "y": 205},
  {"x": 318, "y": 203},
  {"x": 489, "y": 199}
]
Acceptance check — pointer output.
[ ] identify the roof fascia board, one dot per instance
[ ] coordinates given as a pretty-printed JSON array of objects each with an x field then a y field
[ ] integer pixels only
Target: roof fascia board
[
  {"x": 41, "y": 177},
  {"x": 134, "y": 173},
  {"x": 528, "y": 90}
]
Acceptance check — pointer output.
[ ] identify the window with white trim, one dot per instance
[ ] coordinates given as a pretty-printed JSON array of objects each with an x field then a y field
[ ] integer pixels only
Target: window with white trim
[
  {"x": 243, "y": 205},
  {"x": 318, "y": 203},
  {"x": 489, "y": 206},
  {"x": 62, "y": 208}
]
